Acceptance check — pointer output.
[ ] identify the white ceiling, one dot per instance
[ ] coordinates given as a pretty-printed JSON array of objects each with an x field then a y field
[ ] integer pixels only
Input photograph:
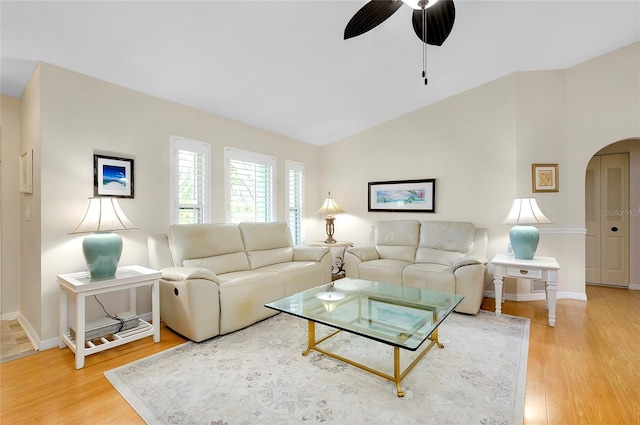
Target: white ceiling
[{"x": 283, "y": 65}]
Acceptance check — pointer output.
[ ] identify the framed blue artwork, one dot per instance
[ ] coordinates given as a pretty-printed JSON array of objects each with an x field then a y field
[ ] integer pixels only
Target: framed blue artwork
[{"x": 112, "y": 176}]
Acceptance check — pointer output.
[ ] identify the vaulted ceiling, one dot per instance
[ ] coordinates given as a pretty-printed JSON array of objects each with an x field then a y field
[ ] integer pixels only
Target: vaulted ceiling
[{"x": 284, "y": 66}]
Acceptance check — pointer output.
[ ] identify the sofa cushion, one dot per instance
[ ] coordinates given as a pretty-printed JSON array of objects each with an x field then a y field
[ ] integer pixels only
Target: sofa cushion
[
  {"x": 444, "y": 242},
  {"x": 397, "y": 239},
  {"x": 261, "y": 236},
  {"x": 189, "y": 241},
  {"x": 268, "y": 257},
  {"x": 434, "y": 277},
  {"x": 437, "y": 256},
  {"x": 447, "y": 235},
  {"x": 220, "y": 264},
  {"x": 384, "y": 270},
  {"x": 267, "y": 243},
  {"x": 296, "y": 275}
]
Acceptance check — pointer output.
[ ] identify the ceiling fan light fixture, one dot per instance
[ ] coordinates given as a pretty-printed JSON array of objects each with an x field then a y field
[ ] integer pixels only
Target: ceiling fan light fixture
[{"x": 419, "y": 4}]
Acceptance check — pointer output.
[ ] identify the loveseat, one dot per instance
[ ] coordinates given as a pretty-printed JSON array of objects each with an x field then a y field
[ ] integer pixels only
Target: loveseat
[
  {"x": 443, "y": 256},
  {"x": 216, "y": 278}
]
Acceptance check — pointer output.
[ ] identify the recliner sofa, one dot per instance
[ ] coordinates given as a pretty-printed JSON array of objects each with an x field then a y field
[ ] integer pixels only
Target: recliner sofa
[
  {"x": 443, "y": 256},
  {"x": 216, "y": 278}
]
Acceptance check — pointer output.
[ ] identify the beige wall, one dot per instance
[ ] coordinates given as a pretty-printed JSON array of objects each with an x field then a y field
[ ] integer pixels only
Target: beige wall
[
  {"x": 10, "y": 232},
  {"x": 479, "y": 145},
  {"x": 31, "y": 302},
  {"x": 448, "y": 141}
]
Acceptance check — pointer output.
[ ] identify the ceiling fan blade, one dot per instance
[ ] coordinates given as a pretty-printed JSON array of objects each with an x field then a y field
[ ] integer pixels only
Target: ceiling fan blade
[
  {"x": 440, "y": 18},
  {"x": 370, "y": 16}
]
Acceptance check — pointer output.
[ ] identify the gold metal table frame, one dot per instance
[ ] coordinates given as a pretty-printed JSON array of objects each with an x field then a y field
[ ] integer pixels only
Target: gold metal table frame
[
  {"x": 398, "y": 375},
  {"x": 404, "y": 318}
]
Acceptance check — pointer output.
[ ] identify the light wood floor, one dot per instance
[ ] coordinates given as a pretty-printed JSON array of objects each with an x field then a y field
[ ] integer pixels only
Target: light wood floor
[{"x": 586, "y": 370}]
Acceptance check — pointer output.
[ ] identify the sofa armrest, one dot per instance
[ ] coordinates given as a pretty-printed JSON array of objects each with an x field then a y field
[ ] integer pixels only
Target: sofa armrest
[
  {"x": 365, "y": 253},
  {"x": 190, "y": 302},
  {"x": 354, "y": 256},
  {"x": 309, "y": 253},
  {"x": 468, "y": 261},
  {"x": 470, "y": 282},
  {"x": 186, "y": 273}
]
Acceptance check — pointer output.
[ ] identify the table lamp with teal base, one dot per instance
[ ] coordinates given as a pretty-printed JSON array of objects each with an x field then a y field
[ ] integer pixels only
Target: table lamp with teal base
[
  {"x": 523, "y": 236},
  {"x": 102, "y": 248}
]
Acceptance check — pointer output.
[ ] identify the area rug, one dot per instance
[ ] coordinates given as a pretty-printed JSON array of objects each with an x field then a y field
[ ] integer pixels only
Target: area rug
[{"x": 258, "y": 376}]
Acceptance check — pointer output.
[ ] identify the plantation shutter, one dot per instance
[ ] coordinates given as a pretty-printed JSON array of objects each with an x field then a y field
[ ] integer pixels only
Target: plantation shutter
[
  {"x": 251, "y": 187},
  {"x": 295, "y": 200}
]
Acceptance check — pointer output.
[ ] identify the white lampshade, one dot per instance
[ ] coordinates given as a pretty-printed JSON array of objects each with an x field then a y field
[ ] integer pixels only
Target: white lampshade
[
  {"x": 525, "y": 211},
  {"x": 419, "y": 4},
  {"x": 329, "y": 207},
  {"x": 103, "y": 215}
]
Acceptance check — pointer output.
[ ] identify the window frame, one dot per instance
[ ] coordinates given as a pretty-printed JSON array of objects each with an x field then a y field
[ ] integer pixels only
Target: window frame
[{"x": 177, "y": 144}]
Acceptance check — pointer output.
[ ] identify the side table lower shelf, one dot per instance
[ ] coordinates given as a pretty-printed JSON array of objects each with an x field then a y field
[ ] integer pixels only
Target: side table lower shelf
[
  {"x": 145, "y": 329},
  {"x": 79, "y": 286}
]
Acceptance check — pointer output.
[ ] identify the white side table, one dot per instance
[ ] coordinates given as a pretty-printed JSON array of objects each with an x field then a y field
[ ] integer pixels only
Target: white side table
[
  {"x": 80, "y": 285},
  {"x": 337, "y": 256},
  {"x": 540, "y": 268}
]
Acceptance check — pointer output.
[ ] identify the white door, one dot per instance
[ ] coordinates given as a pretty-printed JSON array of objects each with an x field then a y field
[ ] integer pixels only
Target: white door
[{"x": 607, "y": 220}]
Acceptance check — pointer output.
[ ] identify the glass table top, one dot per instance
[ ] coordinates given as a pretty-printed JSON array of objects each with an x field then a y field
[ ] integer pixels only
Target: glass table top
[{"x": 397, "y": 315}]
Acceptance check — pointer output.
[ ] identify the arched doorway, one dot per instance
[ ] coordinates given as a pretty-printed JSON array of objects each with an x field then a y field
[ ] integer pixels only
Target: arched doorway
[{"x": 612, "y": 215}]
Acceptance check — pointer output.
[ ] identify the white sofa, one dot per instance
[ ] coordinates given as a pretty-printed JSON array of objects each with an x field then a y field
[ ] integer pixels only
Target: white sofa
[
  {"x": 216, "y": 278},
  {"x": 443, "y": 256}
]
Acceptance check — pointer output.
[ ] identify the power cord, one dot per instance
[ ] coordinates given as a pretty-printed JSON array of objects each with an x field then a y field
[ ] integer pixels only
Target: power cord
[{"x": 111, "y": 316}]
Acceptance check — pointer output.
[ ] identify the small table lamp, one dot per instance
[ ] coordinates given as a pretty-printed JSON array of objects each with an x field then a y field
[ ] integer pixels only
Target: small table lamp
[
  {"x": 329, "y": 207},
  {"x": 524, "y": 237},
  {"x": 102, "y": 249}
]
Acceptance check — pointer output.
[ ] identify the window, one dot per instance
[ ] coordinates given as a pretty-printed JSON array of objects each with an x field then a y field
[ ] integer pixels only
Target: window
[
  {"x": 250, "y": 180},
  {"x": 295, "y": 200},
  {"x": 190, "y": 193}
]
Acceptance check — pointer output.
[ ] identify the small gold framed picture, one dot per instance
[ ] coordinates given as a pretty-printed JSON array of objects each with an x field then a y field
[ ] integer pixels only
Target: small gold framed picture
[{"x": 544, "y": 177}]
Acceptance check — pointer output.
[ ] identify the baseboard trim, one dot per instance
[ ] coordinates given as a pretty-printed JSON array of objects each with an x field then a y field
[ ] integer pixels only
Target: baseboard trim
[
  {"x": 10, "y": 316},
  {"x": 634, "y": 287},
  {"x": 29, "y": 331},
  {"x": 50, "y": 343}
]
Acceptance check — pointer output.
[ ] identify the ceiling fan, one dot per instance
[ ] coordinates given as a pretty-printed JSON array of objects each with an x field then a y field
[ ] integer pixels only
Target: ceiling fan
[{"x": 432, "y": 20}]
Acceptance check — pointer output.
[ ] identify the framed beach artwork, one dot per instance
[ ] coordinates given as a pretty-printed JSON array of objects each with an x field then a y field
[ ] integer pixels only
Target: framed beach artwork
[
  {"x": 544, "y": 177},
  {"x": 403, "y": 196},
  {"x": 112, "y": 176}
]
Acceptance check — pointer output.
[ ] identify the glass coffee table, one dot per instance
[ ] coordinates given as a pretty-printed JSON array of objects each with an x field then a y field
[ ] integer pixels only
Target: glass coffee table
[{"x": 396, "y": 315}]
